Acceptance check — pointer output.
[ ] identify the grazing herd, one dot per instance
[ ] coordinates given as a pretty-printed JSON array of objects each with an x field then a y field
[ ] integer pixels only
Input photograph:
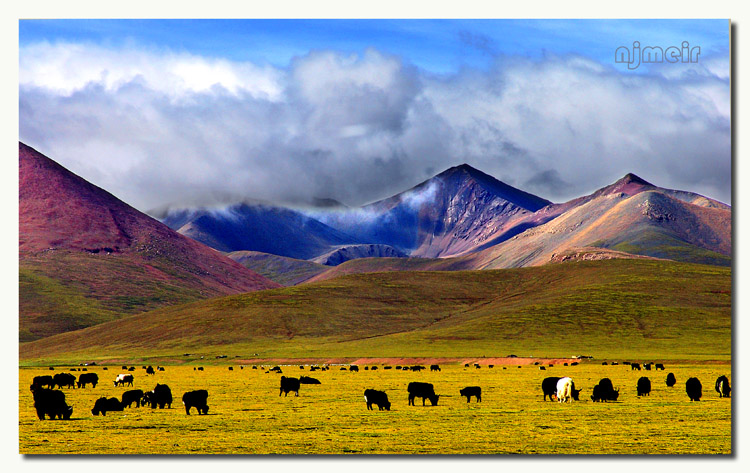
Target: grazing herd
[
  {"x": 564, "y": 390},
  {"x": 50, "y": 402}
]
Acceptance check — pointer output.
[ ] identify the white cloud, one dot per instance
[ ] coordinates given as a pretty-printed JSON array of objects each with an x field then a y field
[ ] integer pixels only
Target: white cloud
[
  {"x": 158, "y": 127},
  {"x": 69, "y": 68},
  {"x": 418, "y": 197}
]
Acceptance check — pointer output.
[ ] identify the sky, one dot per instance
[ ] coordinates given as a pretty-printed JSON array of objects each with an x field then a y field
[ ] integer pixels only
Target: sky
[{"x": 203, "y": 112}]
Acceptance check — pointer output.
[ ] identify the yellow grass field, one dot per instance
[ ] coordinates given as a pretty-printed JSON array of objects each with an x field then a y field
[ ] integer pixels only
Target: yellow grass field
[{"x": 247, "y": 416}]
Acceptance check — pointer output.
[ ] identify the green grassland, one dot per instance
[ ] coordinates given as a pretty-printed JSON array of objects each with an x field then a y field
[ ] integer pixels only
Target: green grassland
[
  {"x": 614, "y": 308},
  {"x": 247, "y": 416},
  {"x": 48, "y": 307},
  {"x": 64, "y": 291}
]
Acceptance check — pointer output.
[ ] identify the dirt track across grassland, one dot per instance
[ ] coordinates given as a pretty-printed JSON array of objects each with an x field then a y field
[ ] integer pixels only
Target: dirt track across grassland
[{"x": 507, "y": 361}]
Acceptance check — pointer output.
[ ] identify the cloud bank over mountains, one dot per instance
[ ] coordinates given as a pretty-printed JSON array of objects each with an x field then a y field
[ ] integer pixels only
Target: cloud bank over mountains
[{"x": 157, "y": 127}]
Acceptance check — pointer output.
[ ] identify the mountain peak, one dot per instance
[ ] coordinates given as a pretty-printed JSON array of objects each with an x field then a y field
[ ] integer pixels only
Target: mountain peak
[
  {"x": 461, "y": 169},
  {"x": 629, "y": 184},
  {"x": 464, "y": 173},
  {"x": 632, "y": 178}
]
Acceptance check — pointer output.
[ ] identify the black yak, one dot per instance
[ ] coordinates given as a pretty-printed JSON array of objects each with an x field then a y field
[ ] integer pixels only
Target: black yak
[
  {"x": 671, "y": 380},
  {"x": 103, "y": 405},
  {"x": 160, "y": 396},
  {"x": 549, "y": 387},
  {"x": 289, "y": 384},
  {"x": 604, "y": 391},
  {"x": 88, "y": 378},
  {"x": 379, "y": 398},
  {"x": 197, "y": 399},
  {"x": 722, "y": 386},
  {"x": 644, "y": 386},
  {"x": 308, "y": 380},
  {"x": 43, "y": 381},
  {"x": 423, "y": 390},
  {"x": 469, "y": 391},
  {"x": 694, "y": 389},
  {"x": 133, "y": 396},
  {"x": 64, "y": 380},
  {"x": 51, "y": 403}
]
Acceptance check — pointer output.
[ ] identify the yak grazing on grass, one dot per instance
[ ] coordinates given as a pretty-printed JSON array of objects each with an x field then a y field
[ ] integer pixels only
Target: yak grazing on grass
[
  {"x": 549, "y": 387},
  {"x": 308, "y": 380},
  {"x": 694, "y": 389},
  {"x": 423, "y": 390},
  {"x": 379, "y": 398},
  {"x": 160, "y": 396},
  {"x": 289, "y": 384},
  {"x": 50, "y": 402},
  {"x": 197, "y": 399},
  {"x": 671, "y": 380},
  {"x": 88, "y": 378},
  {"x": 64, "y": 380},
  {"x": 604, "y": 391},
  {"x": 43, "y": 381},
  {"x": 469, "y": 391},
  {"x": 722, "y": 386},
  {"x": 123, "y": 379},
  {"x": 644, "y": 386},
  {"x": 103, "y": 405},
  {"x": 133, "y": 396}
]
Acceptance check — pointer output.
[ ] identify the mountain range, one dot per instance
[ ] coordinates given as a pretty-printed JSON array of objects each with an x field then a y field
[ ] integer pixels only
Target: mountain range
[
  {"x": 86, "y": 257},
  {"x": 467, "y": 215},
  {"x": 456, "y": 212}
]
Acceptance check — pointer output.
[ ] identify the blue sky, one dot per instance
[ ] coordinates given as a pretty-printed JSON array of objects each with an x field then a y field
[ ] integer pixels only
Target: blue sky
[
  {"x": 438, "y": 46},
  {"x": 204, "y": 111}
]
